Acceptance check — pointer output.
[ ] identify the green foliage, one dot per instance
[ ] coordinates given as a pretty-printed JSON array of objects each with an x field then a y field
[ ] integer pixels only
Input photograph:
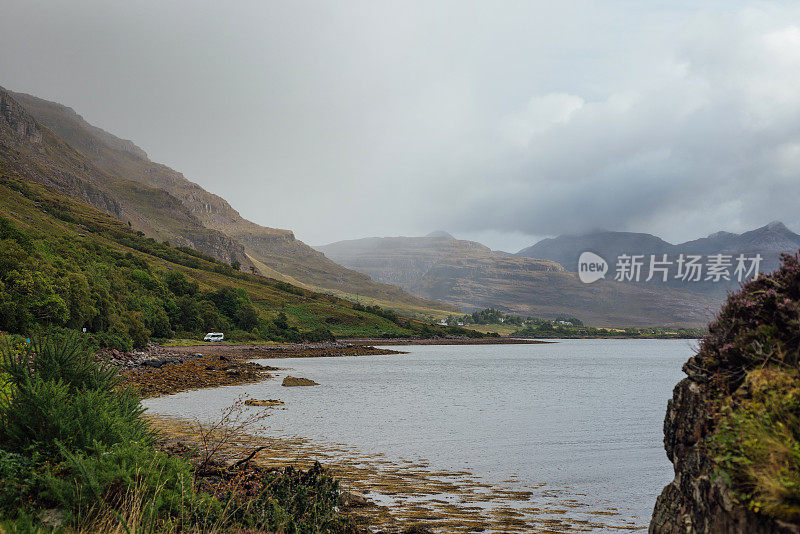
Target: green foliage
[
  {"x": 88, "y": 483},
  {"x": 70, "y": 440},
  {"x": 319, "y": 334},
  {"x": 179, "y": 285},
  {"x": 749, "y": 360},
  {"x": 25, "y": 524},
  {"x": 57, "y": 358},
  {"x": 9, "y": 231},
  {"x": 118, "y": 297},
  {"x": 544, "y": 329},
  {"x": 18, "y": 481},
  {"x": 756, "y": 444},
  {"x": 487, "y": 316},
  {"x": 61, "y": 398},
  {"x": 124, "y": 288},
  {"x": 380, "y": 312},
  {"x": 296, "y": 501}
]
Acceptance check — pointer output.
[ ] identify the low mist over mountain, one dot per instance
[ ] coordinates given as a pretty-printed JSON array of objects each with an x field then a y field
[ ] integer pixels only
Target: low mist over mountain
[
  {"x": 469, "y": 275},
  {"x": 566, "y": 249}
]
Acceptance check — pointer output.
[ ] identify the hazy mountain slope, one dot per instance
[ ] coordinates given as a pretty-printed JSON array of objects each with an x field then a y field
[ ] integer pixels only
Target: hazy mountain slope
[
  {"x": 565, "y": 249},
  {"x": 469, "y": 275},
  {"x": 47, "y": 159},
  {"x": 405, "y": 261},
  {"x": 278, "y": 250}
]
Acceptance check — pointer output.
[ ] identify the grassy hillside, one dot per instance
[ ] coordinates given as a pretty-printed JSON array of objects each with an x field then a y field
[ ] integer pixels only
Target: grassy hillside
[
  {"x": 275, "y": 252},
  {"x": 69, "y": 265}
]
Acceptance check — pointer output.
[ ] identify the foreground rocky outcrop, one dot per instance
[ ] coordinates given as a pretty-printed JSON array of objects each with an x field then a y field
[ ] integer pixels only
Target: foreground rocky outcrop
[
  {"x": 697, "y": 500},
  {"x": 730, "y": 429}
]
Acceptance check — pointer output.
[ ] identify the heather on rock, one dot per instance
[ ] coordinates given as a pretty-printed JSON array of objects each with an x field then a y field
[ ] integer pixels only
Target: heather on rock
[{"x": 732, "y": 428}]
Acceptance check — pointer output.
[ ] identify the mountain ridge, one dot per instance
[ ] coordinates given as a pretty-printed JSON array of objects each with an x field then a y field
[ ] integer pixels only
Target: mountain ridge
[
  {"x": 255, "y": 247},
  {"x": 471, "y": 276},
  {"x": 770, "y": 240}
]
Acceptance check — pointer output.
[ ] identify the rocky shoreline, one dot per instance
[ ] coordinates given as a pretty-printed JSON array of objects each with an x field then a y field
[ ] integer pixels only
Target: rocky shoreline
[
  {"x": 163, "y": 370},
  {"x": 404, "y": 498},
  {"x": 444, "y": 341}
]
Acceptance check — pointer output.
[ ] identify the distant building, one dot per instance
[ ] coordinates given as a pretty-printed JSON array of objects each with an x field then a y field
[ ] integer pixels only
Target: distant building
[{"x": 565, "y": 323}]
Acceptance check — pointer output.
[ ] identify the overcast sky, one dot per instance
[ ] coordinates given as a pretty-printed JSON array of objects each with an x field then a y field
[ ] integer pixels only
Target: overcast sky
[{"x": 498, "y": 121}]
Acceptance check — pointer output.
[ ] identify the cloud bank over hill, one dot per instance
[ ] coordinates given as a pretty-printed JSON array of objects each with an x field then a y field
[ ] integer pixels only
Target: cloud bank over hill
[{"x": 502, "y": 123}]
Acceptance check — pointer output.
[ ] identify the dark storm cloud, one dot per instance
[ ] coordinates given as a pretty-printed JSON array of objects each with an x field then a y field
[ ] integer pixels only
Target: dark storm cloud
[{"x": 503, "y": 122}]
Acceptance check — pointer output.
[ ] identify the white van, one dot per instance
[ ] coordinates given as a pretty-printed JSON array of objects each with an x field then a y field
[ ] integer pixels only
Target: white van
[{"x": 214, "y": 336}]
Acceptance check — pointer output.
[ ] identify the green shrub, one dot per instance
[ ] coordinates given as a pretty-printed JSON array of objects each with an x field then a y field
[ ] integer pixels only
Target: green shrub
[
  {"x": 25, "y": 524},
  {"x": 59, "y": 394},
  {"x": 71, "y": 439},
  {"x": 89, "y": 484},
  {"x": 18, "y": 482},
  {"x": 44, "y": 414},
  {"x": 294, "y": 501},
  {"x": 67, "y": 358},
  {"x": 319, "y": 334}
]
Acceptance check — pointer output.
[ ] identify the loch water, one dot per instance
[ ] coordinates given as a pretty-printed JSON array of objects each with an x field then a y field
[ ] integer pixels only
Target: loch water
[{"x": 580, "y": 414}]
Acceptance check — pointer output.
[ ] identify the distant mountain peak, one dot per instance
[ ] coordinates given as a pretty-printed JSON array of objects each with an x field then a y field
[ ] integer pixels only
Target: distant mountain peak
[
  {"x": 719, "y": 235},
  {"x": 440, "y": 233},
  {"x": 776, "y": 226}
]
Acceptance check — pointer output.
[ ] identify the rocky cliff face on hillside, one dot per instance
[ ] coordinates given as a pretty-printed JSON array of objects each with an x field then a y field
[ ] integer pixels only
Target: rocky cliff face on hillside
[
  {"x": 40, "y": 155},
  {"x": 275, "y": 252},
  {"x": 24, "y": 144},
  {"x": 732, "y": 429}
]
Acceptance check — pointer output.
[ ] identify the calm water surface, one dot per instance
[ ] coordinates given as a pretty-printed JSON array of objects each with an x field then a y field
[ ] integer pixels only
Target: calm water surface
[{"x": 582, "y": 414}]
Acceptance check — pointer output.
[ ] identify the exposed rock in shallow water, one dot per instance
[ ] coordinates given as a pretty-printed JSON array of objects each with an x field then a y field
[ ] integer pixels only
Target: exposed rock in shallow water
[
  {"x": 295, "y": 381},
  {"x": 267, "y": 402},
  {"x": 354, "y": 499}
]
